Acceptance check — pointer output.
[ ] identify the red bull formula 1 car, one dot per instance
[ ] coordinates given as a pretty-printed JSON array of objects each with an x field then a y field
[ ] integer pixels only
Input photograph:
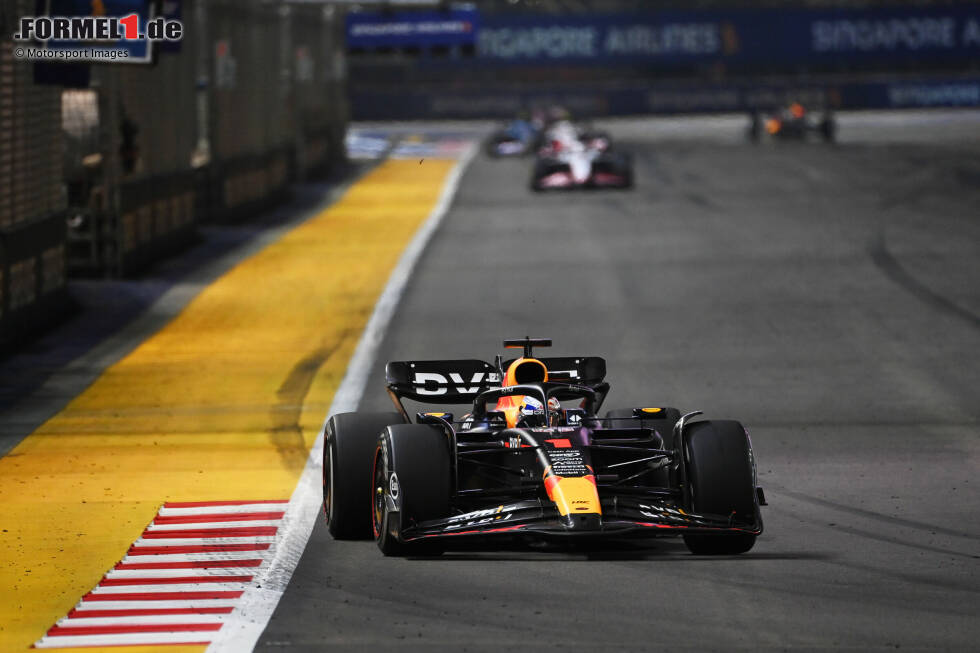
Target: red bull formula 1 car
[
  {"x": 792, "y": 122},
  {"x": 532, "y": 458}
]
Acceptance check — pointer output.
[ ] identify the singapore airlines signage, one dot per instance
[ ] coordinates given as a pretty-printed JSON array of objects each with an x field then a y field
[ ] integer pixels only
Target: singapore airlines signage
[
  {"x": 749, "y": 36},
  {"x": 561, "y": 42}
]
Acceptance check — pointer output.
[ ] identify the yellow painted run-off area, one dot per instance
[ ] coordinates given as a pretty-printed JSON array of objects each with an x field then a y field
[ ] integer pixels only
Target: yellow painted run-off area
[{"x": 223, "y": 403}]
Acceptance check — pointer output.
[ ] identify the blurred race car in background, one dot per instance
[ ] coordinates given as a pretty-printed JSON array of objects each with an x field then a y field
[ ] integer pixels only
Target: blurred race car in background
[
  {"x": 574, "y": 157},
  {"x": 533, "y": 460},
  {"x": 792, "y": 122},
  {"x": 516, "y": 138}
]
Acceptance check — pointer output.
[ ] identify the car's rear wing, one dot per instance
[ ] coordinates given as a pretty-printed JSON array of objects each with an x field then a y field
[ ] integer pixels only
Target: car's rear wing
[
  {"x": 460, "y": 381},
  {"x": 441, "y": 382}
]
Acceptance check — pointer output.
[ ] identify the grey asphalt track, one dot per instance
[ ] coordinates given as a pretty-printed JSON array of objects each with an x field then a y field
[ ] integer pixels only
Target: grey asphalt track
[{"x": 828, "y": 297}]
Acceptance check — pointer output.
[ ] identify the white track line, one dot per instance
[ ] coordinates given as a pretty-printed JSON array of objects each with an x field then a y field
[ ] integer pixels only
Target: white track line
[
  {"x": 154, "y": 542},
  {"x": 197, "y": 526},
  {"x": 255, "y": 608},
  {"x": 222, "y": 510},
  {"x": 219, "y": 556},
  {"x": 169, "y": 588},
  {"x": 151, "y": 603},
  {"x": 182, "y": 573},
  {"x": 142, "y": 620},
  {"x": 187, "y": 561},
  {"x": 131, "y": 639}
]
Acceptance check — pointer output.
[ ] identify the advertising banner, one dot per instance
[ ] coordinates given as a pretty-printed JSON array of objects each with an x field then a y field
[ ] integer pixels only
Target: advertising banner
[
  {"x": 412, "y": 28},
  {"x": 746, "y": 36},
  {"x": 593, "y": 100}
]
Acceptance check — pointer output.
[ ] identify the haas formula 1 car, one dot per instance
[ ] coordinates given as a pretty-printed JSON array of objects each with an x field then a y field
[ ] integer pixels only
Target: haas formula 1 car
[
  {"x": 574, "y": 158},
  {"x": 532, "y": 458}
]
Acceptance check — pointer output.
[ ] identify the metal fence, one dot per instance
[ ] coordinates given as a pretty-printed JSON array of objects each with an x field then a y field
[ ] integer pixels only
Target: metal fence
[
  {"x": 32, "y": 197},
  {"x": 248, "y": 100},
  {"x": 131, "y": 160}
]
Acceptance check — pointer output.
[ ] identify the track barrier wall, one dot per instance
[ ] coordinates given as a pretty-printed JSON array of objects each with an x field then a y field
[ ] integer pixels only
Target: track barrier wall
[
  {"x": 252, "y": 98},
  {"x": 598, "y": 99},
  {"x": 33, "y": 288},
  {"x": 32, "y": 198},
  {"x": 106, "y": 169}
]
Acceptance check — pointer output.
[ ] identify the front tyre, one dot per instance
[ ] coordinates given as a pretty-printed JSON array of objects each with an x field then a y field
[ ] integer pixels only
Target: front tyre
[
  {"x": 412, "y": 484},
  {"x": 348, "y": 452},
  {"x": 720, "y": 482}
]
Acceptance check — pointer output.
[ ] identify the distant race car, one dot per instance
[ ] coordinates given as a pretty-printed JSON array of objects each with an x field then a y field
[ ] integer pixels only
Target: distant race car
[
  {"x": 531, "y": 458},
  {"x": 571, "y": 157},
  {"x": 516, "y": 138},
  {"x": 793, "y": 122}
]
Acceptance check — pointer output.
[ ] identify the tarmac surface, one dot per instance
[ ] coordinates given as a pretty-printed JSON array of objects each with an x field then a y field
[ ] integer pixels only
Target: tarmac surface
[{"x": 826, "y": 296}]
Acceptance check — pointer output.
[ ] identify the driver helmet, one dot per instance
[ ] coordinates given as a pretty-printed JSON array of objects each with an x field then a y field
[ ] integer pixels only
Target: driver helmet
[{"x": 532, "y": 412}]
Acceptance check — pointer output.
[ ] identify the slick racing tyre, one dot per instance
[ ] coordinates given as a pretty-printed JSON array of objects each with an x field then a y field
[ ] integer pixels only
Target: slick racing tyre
[
  {"x": 828, "y": 129},
  {"x": 348, "y": 453},
  {"x": 412, "y": 484},
  {"x": 720, "y": 482}
]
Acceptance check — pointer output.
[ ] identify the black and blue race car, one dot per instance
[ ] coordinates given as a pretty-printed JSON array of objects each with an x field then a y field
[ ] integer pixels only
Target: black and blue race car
[
  {"x": 532, "y": 457},
  {"x": 516, "y": 138}
]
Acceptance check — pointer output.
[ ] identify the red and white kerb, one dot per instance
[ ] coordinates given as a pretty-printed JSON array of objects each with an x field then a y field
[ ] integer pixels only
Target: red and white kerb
[{"x": 180, "y": 581}]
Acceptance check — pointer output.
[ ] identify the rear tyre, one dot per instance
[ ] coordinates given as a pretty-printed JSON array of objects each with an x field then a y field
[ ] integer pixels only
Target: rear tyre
[
  {"x": 828, "y": 129},
  {"x": 625, "y": 162},
  {"x": 720, "y": 482},
  {"x": 412, "y": 484},
  {"x": 348, "y": 453}
]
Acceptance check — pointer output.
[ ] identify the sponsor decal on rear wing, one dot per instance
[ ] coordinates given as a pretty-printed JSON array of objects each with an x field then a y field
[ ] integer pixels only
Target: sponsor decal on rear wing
[{"x": 442, "y": 382}]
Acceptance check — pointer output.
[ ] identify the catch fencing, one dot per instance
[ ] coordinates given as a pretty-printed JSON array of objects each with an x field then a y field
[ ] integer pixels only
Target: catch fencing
[
  {"x": 133, "y": 157},
  {"x": 32, "y": 196}
]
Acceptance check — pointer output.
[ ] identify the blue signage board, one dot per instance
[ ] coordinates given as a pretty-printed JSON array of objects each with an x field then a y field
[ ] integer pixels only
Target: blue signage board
[
  {"x": 748, "y": 36},
  {"x": 412, "y": 28}
]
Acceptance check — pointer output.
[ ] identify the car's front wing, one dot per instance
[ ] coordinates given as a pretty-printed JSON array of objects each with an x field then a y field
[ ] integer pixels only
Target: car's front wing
[{"x": 621, "y": 516}]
